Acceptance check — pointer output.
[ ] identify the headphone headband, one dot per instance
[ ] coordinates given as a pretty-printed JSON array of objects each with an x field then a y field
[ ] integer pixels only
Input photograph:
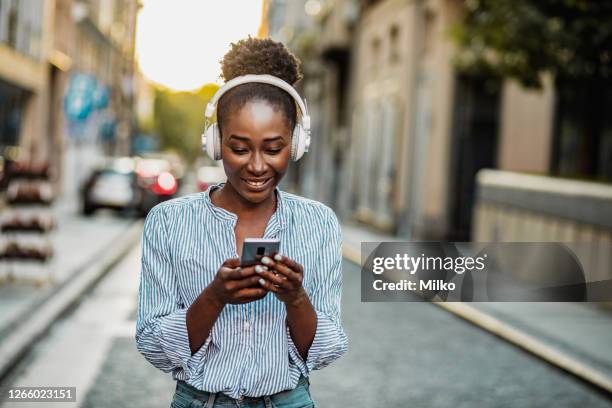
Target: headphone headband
[
  {"x": 263, "y": 79},
  {"x": 300, "y": 139}
]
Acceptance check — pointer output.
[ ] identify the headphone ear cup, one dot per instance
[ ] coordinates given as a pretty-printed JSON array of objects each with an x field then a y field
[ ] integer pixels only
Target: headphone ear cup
[
  {"x": 298, "y": 142},
  {"x": 295, "y": 140},
  {"x": 213, "y": 142}
]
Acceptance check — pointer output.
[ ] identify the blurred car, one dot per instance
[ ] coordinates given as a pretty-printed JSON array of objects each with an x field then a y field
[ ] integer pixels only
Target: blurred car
[
  {"x": 113, "y": 186},
  {"x": 167, "y": 161},
  {"x": 207, "y": 175},
  {"x": 156, "y": 181},
  {"x": 129, "y": 184}
]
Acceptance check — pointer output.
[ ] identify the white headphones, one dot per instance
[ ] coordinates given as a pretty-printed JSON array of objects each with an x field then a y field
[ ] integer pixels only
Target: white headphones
[{"x": 300, "y": 140}]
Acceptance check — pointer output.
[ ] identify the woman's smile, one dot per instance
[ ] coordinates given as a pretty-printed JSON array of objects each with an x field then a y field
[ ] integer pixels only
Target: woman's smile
[
  {"x": 257, "y": 184},
  {"x": 255, "y": 149}
]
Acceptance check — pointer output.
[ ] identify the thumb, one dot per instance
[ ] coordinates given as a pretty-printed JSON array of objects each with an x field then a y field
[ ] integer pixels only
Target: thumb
[{"x": 232, "y": 262}]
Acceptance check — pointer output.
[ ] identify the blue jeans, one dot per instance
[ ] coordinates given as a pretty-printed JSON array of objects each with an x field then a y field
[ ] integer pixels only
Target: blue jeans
[{"x": 187, "y": 396}]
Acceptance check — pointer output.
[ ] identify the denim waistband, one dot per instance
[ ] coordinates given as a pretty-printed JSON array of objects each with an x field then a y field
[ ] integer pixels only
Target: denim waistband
[{"x": 190, "y": 390}]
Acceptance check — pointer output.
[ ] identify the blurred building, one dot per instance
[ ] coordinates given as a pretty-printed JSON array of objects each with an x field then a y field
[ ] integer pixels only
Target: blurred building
[
  {"x": 44, "y": 46},
  {"x": 25, "y": 33},
  {"x": 101, "y": 43},
  {"x": 399, "y": 134},
  {"x": 324, "y": 48}
]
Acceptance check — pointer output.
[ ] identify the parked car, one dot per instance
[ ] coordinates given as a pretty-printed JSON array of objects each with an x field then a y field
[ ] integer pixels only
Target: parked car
[
  {"x": 110, "y": 187},
  {"x": 156, "y": 181},
  {"x": 131, "y": 184},
  {"x": 168, "y": 161}
]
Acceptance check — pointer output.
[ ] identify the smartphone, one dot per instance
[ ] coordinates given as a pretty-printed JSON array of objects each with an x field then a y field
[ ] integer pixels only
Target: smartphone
[{"x": 253, "y": 249}]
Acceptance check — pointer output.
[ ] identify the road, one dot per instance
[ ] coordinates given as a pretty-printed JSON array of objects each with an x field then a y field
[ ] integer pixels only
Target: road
[{"x": 401, "y": 355}]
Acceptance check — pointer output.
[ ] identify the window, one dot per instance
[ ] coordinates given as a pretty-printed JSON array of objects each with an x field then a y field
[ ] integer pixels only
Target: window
[
  {"x": 583, "y": 130},
  {"x": 11, "y": 109},
  {"x": 375, "y": 53},
  {"x": 21, "y": 25},
  {"x": 394, "y": 46}
]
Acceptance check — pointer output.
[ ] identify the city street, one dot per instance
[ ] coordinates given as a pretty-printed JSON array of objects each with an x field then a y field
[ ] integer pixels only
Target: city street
[
  {"x": 479, "y": 127},
  {"x": 400, "y": 355}
]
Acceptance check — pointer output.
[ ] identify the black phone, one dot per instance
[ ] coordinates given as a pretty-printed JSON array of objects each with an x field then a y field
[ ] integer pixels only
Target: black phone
[{"x": 253, "y": 249}]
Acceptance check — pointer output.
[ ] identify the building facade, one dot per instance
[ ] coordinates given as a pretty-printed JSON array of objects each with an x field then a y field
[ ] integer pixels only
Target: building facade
[
  {"x": 400, "y": 134},
  {"x": 44, "y": 45},
  {"x": 25, "y": 34},
  {"x": 101, "y": 45}
]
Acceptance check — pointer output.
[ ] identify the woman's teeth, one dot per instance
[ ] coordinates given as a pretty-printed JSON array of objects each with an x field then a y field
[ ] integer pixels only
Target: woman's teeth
[{"x": 255, "y": 183}]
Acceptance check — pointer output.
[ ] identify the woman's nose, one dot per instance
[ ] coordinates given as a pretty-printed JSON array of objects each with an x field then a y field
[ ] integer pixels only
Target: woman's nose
[{"x": 257, "y": 164}]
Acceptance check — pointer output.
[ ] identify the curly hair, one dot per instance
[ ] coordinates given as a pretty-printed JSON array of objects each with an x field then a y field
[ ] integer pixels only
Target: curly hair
[{"x": 259, "y": 56}]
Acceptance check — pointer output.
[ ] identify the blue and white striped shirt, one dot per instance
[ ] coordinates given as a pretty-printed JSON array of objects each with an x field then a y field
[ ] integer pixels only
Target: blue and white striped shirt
[{"x": 249, "y": 351}]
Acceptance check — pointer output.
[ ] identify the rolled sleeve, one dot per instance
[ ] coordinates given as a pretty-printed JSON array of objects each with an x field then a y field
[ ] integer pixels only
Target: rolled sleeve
[
  {"x": 161, "y": 328},
  {"x": 330, "y": 341}
]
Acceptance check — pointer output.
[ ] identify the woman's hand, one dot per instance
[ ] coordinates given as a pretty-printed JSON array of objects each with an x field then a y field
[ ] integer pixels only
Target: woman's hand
[
  {"x": 284, "y": 277},
  {"x": 234, "y": 284}
]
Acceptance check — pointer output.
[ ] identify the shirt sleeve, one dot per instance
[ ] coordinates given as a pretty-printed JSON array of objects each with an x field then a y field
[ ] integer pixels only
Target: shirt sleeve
[
  {"x": 161, "y": 329},
  {"x": 330, "y": 341}
]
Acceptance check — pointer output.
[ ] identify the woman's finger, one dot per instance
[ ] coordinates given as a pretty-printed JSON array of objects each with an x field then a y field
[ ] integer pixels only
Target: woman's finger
[
  {"x": 269, "y": 286},
  {"x": 294, "y": 266},
  {"x": 275, "y": 279},
  {"x": 269, "y": 263},
  {"x": 278, "y": 266},
  {"x": 251, "y": 281},
  {"x": 237, "y": 273},
  {"x": 251, "y": 293},
  {"x": 288, "y": 273},
  {"x": 231, "y": 262}
]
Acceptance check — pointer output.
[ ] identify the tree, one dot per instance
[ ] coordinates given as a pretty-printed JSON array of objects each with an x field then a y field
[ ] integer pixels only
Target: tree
[
  {"x": 525, "y": 38},
  {"x": 179, "y": 119},
  {"x": 572, "y": 40}
]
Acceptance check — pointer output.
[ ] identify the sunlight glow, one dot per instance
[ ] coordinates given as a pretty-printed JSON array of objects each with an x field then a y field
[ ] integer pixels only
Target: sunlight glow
[{"x": 179, "y": 43}]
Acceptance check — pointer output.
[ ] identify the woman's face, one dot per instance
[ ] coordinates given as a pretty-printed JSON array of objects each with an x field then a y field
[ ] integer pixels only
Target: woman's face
[{"x": 255, "y": 146}]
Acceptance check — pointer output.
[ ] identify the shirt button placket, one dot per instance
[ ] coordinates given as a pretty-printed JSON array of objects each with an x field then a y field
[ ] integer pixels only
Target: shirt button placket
[{"x": 247, "y": 336}]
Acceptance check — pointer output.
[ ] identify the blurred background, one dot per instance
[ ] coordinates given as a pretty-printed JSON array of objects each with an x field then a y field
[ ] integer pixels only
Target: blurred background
[{"x": 452, "y": 120}]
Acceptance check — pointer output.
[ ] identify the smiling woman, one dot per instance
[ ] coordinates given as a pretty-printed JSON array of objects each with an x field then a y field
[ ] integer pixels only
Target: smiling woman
[
  {"x": 255, "y": 128},
  {"x": 178, "y": 43},
  {"x": 203, "y": 315},
  {"x": 256, "y": 121}
]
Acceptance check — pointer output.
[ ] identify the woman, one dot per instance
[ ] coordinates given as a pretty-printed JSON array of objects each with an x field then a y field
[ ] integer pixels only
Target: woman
[{"x": 214, "y": 324}]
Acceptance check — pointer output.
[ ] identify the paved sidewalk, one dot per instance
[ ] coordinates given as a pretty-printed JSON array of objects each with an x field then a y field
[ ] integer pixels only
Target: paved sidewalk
[
  {"x": 574, "y": 336},
  {"x": 83, "y": 248},
  {"x": 76, "y": 241}
]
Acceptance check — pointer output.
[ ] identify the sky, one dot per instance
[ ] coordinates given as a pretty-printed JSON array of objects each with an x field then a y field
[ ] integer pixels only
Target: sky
[{"x": 179, "y": 43}]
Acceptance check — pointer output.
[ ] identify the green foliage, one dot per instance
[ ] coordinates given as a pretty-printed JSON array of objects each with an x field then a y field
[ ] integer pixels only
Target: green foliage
[
  {"x": 179, "y": 119},
  {"x": 522, "y": 39}
]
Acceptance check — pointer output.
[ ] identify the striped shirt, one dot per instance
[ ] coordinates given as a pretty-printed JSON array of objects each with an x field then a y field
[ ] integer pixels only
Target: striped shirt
[{"x": 249, "y": 350}]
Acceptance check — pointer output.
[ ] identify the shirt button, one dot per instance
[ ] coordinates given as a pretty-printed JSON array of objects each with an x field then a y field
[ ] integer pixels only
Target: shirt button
[{"x": 247, "y": 325}]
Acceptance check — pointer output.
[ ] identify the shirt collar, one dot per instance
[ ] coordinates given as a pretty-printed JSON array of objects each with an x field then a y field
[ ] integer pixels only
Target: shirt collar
[{"x": 278, "y": 219}]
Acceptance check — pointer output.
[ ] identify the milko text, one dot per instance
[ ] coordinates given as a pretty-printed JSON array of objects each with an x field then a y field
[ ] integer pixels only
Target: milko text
[{"x": 433, "y": 284}]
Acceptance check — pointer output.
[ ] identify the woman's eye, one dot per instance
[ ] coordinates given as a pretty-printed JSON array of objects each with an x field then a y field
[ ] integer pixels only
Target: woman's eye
[
  {"x": 274, "y": 151},
  {"x": 239, "y": 151}
]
